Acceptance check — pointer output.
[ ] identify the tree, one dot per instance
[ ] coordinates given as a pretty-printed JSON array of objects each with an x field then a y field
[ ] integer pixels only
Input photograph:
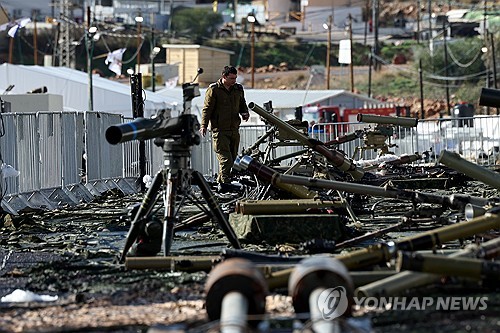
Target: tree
[{"x": 196, "y": 23}]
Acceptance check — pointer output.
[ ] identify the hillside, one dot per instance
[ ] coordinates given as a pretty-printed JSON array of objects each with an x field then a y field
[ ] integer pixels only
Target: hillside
[{"x": 382, "y": 89}]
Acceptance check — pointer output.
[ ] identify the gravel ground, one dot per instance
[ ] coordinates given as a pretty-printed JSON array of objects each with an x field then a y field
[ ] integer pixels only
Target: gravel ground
[{"x": 71, "y": 253}]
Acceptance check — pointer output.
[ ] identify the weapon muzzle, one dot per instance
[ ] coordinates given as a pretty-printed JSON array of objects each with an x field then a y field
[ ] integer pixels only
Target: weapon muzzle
[{"x": 137, "y": 129}]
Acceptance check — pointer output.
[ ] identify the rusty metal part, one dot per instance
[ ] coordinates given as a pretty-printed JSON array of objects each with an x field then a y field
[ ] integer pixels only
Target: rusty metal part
[
  {"x": 454, "y": 161},
  {"x": 240, "y": 276}
]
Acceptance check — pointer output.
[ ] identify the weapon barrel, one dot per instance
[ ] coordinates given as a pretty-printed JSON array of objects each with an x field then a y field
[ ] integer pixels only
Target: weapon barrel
[
  {"x": 455, "y": 201},
  {"x": 139, "y": 129},
  {"x": 379, "y": 253},
  {"x": 340, "y": 186},
  {"x": 333, "y": 156},
  {"x": 176, "y": 263},
  {"x": 405, "y": 159},
  {"x": 344, "y": 138},
  {"x": 490, "y": 97},
  {"x": 266, "y": 173},
  {"x": 463, "y": 267},
  {"x": 454, "y": 161},
  {"x": 400, "y": 121},
  {"x": 402, "y": 281}
]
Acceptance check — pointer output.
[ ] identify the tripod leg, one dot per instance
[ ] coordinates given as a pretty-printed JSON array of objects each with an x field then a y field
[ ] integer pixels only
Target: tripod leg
[
  {"x": 144, "y": 210},
  {"x": 215, "y": 209},
  {"x": 170, "y": 194}
]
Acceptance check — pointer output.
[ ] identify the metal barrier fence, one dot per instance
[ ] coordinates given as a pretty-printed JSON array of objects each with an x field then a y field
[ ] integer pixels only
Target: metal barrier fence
[
  {"x": 477, "y": 139},
  {"x": 54, "y": 149}
]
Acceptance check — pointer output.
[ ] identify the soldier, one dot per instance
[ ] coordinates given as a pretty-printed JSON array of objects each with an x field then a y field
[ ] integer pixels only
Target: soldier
[{"x": 224, "y": 104}]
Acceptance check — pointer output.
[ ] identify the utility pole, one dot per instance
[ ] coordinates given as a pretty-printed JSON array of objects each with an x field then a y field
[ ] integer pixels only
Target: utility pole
[
  {"x": 252, "y": 48},
  {"x": 429, "y": 4},
  {"x": 35, "y": 45},
  {"x": 139, "y": 19},
  {"x": 351, "y": 65},
  {"x": 421, "y": 79},
  {"x": 64, "y": 35},
  {"x": 11, "y": 48},
  {"x": 328, "y": 51},
  {"x": 420, "y": 71},
  {"x": 492, "y": 42},
  {"x": 375, "y": 50},
  {"x": 446, "y": 69},
  {"x": 418, "y": 22}
]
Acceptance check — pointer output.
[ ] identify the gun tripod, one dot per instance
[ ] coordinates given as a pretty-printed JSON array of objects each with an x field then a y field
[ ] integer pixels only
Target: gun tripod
[{"x": 174, "y": 184}]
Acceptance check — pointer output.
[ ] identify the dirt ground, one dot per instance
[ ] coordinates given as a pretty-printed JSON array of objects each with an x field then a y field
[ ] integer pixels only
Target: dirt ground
[{"x": 71, "y": 253}]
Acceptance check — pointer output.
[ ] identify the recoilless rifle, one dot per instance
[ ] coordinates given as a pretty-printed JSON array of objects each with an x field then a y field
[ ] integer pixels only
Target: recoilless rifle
[{"x": 176, "y": 136}]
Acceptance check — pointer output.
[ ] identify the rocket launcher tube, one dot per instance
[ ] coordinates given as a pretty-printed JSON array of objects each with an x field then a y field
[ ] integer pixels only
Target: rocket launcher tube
[
  {"x": 464, "y": 267},
  {"x": 455, "y": 201},
  {"x": 400, "y": 121},
  {"x": 398, "y": 283},
  {"x": 333, "y": 156},
  {"x": 380, "y": 253},
  {"x": 454, "y": 161}
]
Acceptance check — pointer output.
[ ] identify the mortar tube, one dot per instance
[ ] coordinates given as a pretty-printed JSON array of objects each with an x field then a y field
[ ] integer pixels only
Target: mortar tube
[
  {"x": 308, "y": 282},
  {"x": 380, "y": 253},
  {"x": 454, "y": 161},
  {"x": 463, "y": 267},
  {"x": 319, "y": 324},
  {"x": 400, "y": 282},
  {"x": 336, "y": 158},
  {"x": 233, "y": 314}
]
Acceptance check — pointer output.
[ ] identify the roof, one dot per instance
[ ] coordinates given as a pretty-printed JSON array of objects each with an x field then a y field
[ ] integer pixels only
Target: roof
[
  {"x": 195, "y": 46},
  {"x": 108, "y": 96},
  {"x": 282, "y": 99}
]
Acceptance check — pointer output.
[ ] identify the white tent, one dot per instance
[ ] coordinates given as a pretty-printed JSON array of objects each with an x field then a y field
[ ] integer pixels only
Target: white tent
[
  {"x": 108, "y": 96},
  {"x": 284, "y": 101}
]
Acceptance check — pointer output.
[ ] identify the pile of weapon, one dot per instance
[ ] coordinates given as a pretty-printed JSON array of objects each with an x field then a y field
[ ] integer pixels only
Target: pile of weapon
[{"x": 239, "y": 280}]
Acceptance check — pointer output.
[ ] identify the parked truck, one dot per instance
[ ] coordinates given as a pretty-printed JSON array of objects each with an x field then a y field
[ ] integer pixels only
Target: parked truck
[{"x": 338, "y": 114}]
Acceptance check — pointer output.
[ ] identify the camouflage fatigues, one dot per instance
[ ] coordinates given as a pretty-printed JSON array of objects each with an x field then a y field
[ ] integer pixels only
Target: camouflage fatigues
[{"x": 222, "y": 110}]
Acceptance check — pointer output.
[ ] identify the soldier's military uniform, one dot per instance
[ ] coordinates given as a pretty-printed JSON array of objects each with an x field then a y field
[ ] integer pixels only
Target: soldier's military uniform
[{"x": 222, "y": 109}]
